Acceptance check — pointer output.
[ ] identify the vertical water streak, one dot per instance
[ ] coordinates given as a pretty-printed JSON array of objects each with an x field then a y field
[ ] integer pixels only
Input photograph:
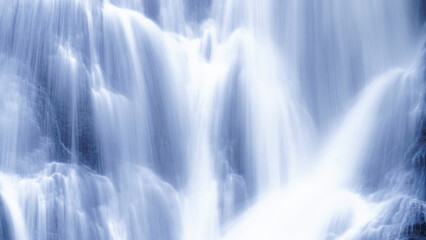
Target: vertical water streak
[{"x": 212, "y": 119}]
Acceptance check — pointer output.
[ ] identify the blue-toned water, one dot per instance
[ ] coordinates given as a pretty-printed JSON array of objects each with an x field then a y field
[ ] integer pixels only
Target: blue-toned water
[{"x": 212, "y": 119}]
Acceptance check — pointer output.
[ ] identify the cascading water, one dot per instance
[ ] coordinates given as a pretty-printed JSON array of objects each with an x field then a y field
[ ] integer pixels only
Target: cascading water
[{"x": 212, "y": 119}]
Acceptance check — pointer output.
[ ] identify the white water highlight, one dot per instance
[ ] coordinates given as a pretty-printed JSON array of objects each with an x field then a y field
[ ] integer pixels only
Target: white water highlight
[{"x": 212, "y": 119}]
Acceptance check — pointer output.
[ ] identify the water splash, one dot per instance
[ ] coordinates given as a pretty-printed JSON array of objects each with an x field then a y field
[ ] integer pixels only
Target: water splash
[{"x": 212, "y": 119}]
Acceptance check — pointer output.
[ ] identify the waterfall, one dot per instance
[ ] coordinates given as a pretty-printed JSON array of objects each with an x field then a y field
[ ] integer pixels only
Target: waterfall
[{"x": 212, "y": 119}]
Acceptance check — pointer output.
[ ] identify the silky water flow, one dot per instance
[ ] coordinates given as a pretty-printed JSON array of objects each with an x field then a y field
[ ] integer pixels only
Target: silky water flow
[{"x": 212, "y": 119}]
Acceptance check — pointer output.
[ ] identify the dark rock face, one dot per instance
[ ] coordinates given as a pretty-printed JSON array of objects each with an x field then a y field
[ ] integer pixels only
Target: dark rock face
[
  {"x": 414, "y": 226},
  {"x": 419, "y": 162},
  {"x": 197, "y": 10},
  {"x": 6, "y": 231},
  {"x": 59, "y": 88},
  {"x": 404, "y": 219},
  {"x": 419, "y": 149},
  {"x": 152, "y": 9}
]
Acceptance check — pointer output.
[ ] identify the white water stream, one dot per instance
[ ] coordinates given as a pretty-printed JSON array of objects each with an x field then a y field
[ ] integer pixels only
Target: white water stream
[{"x": 212, "y": 119}]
